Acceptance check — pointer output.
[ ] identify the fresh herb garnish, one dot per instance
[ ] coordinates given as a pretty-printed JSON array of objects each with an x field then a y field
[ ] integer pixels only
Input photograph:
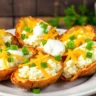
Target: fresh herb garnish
[
  {"x": 58, "y": 58},
  {"x": 25, "y": 50},
  {"x": 36, "y": 90},
  {"x": 44, "y": 65},
  {"x": 44, "y": 42},
  {"x": 70, "y": 45},
  {"x": 89, "y": 55}
]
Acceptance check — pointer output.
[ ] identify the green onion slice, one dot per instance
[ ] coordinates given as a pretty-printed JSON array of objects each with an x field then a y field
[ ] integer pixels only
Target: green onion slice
[
  {"x": 87, "y": 40},
  {"x": 27, "y": 29},
  {"x": 72, "y": 37},
  {"x": 89, "y": 45},
  {"x": 70, "y": 45},
  {"x": 0, "y": 50},
  {"x": 10, "y": 59},
  {"x": 33, "y": 65},
  {"x": 89, "y": 55},
  {"x": 26, "y": 61},
  {"x": 44, "y": 42},
  {"x": 44, "y": 65},
  {"x": 7, "y": 44},
  {"x": 58, "y": 58},
  {"x": 36, "y": 90},
  {"x": 25, "y": 50},
  {"x": 13, "y": 47},
  {"x": 44, "y": 26}
]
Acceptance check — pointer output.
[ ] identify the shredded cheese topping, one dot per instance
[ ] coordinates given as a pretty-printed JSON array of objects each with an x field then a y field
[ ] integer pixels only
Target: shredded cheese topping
[{"x": 38, "y": 59}]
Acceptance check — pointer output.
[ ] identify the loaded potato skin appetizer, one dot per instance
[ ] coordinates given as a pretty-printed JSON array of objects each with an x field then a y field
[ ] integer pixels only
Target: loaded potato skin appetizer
[
  {"x": 31, "y": 31},
  {"x": 11, "y": 56},
  {"x": 77, "y": 35},
  {"x": 41, "y": 71},
  {"x": 80, "y": 62}
]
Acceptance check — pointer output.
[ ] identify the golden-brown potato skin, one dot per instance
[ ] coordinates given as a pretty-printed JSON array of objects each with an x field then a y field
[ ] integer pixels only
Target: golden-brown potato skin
[
  {"x": 87, "y": 71},
  {"x": 20, "y": 26},
  {"x": 40, "y": 83},
  {"x": 5, "y": 74},
  {"x": 31, "y": 22},
  {"x": 88, "y": 29},
  {"x": 14, "y": 39}
]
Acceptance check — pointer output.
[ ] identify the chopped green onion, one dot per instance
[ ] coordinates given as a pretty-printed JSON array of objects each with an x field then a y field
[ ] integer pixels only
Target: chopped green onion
[
  {"x": 44, "y": 65},
  {"x": 32, "y": 65},
  {"x": 44, "y": 26},
  {"x": 44, "y": 42},
  {"x": 36, "y": 90},
  {"x": 23, "y": 36},
  {"x": 13, "y": 47},
  {"x": 58, "y": 58},
  {"x": 27, "y": 29},
  {"x": 7, "y": 44},
  {"x": 87, "y": 40},
  {"x": 70, "y": 45},
  {"x": 45, "y": 31},
  {"x": 8, "y": 53},
  {"x": 89, "y": 45},
  {"x": 26, "y": 61},
  {"x": 25, "y": 50},
  {"x": 72, "y": 37},
  {"x": 89, "y": 55},
  {"x": 10, "y": 59},
  {"x": 0, "y": 50}
]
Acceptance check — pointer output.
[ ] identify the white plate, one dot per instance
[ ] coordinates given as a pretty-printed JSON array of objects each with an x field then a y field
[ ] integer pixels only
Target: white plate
[{"x": 80, "y": 87}]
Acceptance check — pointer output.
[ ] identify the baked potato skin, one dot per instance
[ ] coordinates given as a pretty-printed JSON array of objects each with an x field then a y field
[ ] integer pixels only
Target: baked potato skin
[
  {"x": 5, "y": 74},
  {"x": 20, "y": 26},
  {"x": 89, "y": 70},
  {"x": 29, "y": 85},
  {"x": 88, "y": 29},
  {"x": 14, "y": 39}
]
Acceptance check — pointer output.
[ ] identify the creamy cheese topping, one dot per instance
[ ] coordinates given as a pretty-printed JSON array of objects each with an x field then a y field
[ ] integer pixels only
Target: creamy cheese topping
[
  {"x": 17, "y": 52},
  {"x": 38, "y": 31},
  {"x": 33, "y": 73},
  {"x": 33, "y": 40},
  {"x": 71, "y": 68},
  {"x": 16, "y": 60},
  {"x": 7, "y": 38},
  {"x": 54, "y": 47},
  {"x": 20, "y": 53}
]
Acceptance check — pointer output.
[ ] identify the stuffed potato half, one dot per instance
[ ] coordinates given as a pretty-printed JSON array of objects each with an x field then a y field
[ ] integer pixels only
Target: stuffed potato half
[
  {"x": 80, "y": 62},
  {"x": 77, "y": 35},
  {"x": 11, "y": 56},
  {"x": 43, "y": 70},
  {"x": 31, "y": 31}
]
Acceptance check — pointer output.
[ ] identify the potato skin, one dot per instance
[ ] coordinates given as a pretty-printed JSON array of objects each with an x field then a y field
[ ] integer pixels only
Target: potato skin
[
  {"x": 21, "y": 24},
  {"x": 5, "y": 74},
  {"x": 14, "y": 39},
  {"x": 29, "y": 85},
  {"x": 87, "y": 71},
  {"x": 86, "y": 29}
]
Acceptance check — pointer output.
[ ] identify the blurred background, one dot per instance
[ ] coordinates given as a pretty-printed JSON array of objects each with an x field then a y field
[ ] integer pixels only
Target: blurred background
[{"x": 59, "y": 13}]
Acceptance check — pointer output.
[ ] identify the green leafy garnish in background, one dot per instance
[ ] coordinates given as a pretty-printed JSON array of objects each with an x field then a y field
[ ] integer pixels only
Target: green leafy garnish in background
[
  {"x": 54, "y": 22},
  {"x": 72, "y": 17}
]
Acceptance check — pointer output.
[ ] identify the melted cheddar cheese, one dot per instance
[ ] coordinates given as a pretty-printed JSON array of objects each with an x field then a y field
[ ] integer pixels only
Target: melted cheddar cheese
[
  {"x": 37, "y": 71},
  {"x": 77, "y": 59}
]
